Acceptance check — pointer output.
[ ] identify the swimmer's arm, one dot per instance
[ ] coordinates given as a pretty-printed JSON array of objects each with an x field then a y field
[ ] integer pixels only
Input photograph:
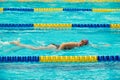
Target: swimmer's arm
[
  {"x": 62, "y": 46},
  {"x": 69, "y": 44}
]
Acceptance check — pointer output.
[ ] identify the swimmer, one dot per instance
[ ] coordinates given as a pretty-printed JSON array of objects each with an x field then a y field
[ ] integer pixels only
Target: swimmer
[{"x": 63, "y": 46}]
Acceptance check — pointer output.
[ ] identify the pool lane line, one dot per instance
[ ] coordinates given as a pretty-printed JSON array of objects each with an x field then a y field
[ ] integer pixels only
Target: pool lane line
[
  {"x": 105, "y": 10},
  {"x": 52, "y": 26},
  {"x": 1, "y": 9},
  {"x": 70, "y": 1},
  {"x": 68, "y": 59},
  {"x": 60, "y": 9},
  {"x": 41, "y": 59},
  {"x": 57, "y": 26},
  {"x": 70, "y": 26},
  {"x": 78, "y": 1}
]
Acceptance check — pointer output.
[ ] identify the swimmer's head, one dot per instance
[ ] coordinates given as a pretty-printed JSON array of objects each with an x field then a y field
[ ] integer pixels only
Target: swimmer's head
[{"x": 83, "y": 42}]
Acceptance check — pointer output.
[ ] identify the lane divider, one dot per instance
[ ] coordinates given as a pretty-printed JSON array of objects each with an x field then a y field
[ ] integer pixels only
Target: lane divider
[
  {"x": 72, "y": 1},
  {"x": 91, "y": 1},
  {"x": 18, "y": 9},
  {"x": 57, "y": 26},
  {"x": 1, "y": 9},
  {"x": 75, "y": 0},
  {"x": 115, "y": 26},
  {"x": 36, "y": 0},
  {"x": 28, "y": 1},
  {"x": 59, "y": 9},
  {"x": 105, "y": 10},
  {"x": 54, "y": 26},
  {"x": 47, "y": 9},
  {"x": 68, "y": 59},
  {"x": 59, "y": 58}
]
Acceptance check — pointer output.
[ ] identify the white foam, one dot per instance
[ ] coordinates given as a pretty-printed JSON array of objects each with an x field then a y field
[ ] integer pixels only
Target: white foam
[{"x": 4, "y": 43}]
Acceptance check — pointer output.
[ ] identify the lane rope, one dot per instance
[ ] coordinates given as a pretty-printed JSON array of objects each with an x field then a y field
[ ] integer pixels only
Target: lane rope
[
  {"x": 60, "y": 9},
  {"x": 59, "y": 58},
  {"x": 71, "y": 1},
  {"x": 57, "y": 26}
]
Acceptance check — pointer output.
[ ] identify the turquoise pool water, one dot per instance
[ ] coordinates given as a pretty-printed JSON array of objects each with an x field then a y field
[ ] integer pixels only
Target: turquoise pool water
[
  {"x": 100, "y": 37},
  {"x": 60, "y": 71}
]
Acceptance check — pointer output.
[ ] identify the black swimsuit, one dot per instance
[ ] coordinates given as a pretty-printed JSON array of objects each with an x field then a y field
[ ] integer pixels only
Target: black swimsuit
[{"x": 57, "y": 46}]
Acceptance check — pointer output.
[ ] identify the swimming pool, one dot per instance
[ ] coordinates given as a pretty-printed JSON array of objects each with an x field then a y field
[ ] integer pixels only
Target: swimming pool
[{"x": 62, "y": 71}]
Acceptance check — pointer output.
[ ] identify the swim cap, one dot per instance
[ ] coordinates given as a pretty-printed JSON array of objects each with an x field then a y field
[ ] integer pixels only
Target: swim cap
[
  {"x": 86, "y": 42},
  {"x": 83, "y": 41}
]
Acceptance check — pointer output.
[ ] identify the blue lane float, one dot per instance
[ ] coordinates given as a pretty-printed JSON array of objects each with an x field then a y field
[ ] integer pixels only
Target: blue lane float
[
  {"x": 91, "y": 25},
  {"x": 19, "y": 9},
  {"x": 16, "y": 26},
  {"x": 76, "y": 9},
  {"x": 108, "y": 58},
  {"x": 19, "y": 59}
]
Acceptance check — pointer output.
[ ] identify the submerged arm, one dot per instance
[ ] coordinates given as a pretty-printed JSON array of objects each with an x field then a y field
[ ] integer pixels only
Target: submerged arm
[{"x": 96, "y": 45}]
